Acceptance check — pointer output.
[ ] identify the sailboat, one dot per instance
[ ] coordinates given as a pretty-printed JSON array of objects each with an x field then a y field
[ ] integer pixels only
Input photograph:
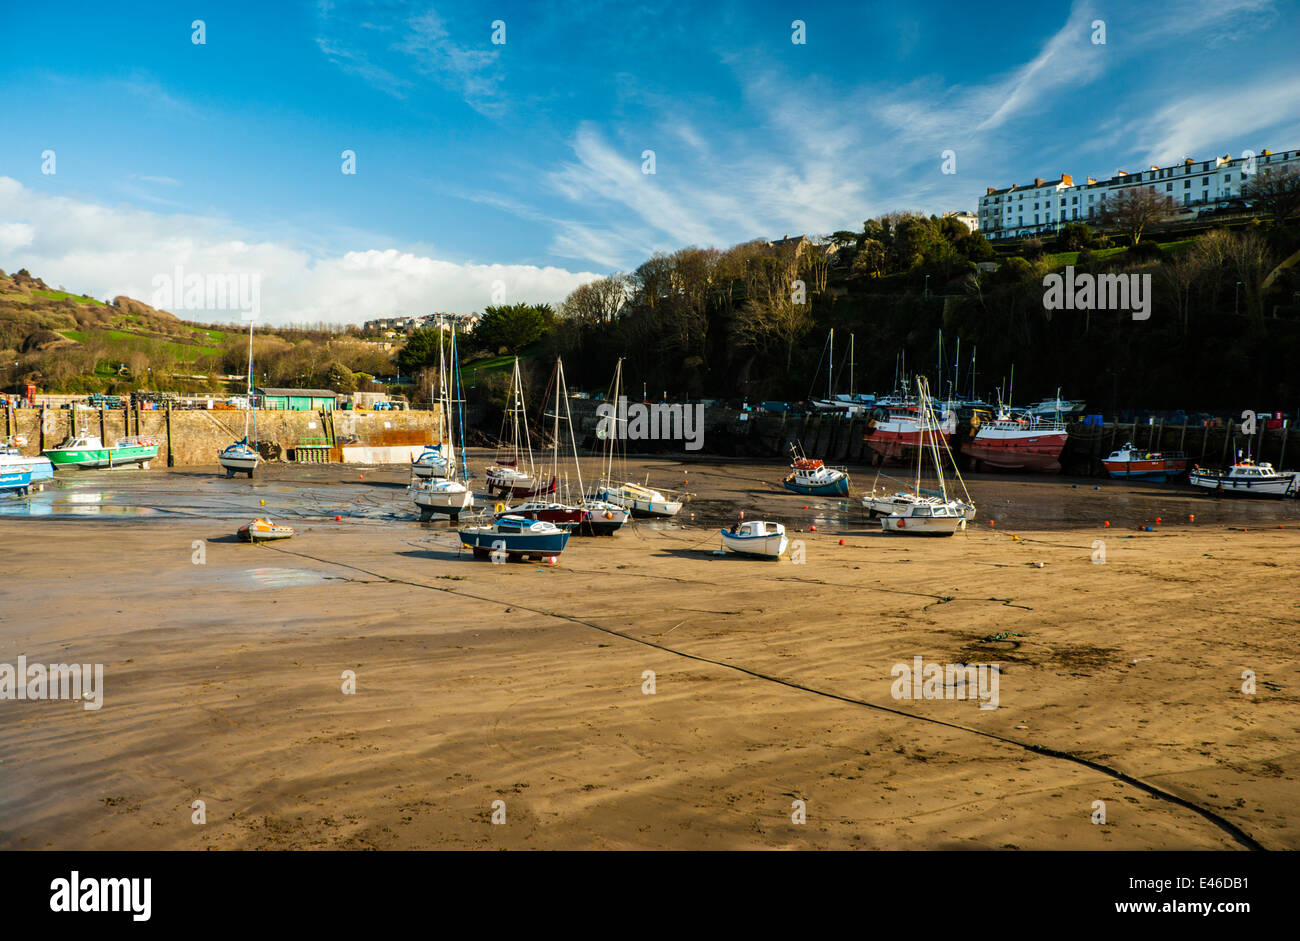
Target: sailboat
[
  {"x": 241, "y": 456},
  {"x": 939, "y": 515},
  {"x": 637, "y": 499},
  {"x": 438, "y": 460},
  {"x": 562, "y": 514},
  {"x": 445, "y": 495},
  {"x": 504, "y": 475}
]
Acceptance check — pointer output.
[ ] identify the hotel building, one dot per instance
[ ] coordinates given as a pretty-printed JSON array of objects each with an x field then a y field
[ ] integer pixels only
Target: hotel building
[{"x": 1194, "y": 186}]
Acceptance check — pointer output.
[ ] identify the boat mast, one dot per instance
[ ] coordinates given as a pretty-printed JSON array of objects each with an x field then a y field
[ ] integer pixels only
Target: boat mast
[
  {"x": 460, "y": 401},
  {"x": 830, "y": 367},
  {"x": 248, "y": 405},
  {"x": 568, "y": 417},
  {"x": 850, "y": 367}
]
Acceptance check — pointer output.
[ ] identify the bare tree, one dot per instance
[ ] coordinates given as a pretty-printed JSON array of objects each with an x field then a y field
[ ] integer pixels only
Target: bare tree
[
  {"x": 1276, "y": 191},
  {"x": 1133, "y": 209}
]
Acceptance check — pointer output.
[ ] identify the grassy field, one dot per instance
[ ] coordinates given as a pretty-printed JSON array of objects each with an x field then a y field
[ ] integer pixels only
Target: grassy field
[
  {"x": 64, "y": 295},
  {"x": 185, "y": 352}
]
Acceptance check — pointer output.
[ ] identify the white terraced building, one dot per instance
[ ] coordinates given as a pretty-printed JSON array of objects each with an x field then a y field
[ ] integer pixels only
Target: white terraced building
[{"x": 1195, "y": 186}]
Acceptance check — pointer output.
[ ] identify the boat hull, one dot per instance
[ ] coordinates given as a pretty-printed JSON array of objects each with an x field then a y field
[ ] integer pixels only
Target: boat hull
[
  {"x": 1040, "y": 453},
  {"x": 899, "y": 446},
  {"x": 112, "y": 456},
  {"x": 483, "y": 540},
  {"x": 602, "y": 521},
  {"x": 19, "y": 481},
  {"x": 522, "y": 488},
  {"x": 443, "y": 501},
  {"x": 563, "y": 516},
  {"x": 642, "y": 506},
  {"x": 251, "y": 532},
  {"x": 837, "y": 488},
  {"x": 771, "y": 546},
  {"x": 1146, "y": 470},
  {"x": 921, "y": 525},
  {"x": 1278, "y": 486}
]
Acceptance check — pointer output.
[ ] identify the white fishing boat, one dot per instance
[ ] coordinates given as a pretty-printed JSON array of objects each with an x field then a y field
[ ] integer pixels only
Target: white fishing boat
[
  {"x": 759, "y": 538},
  {"x": 242, "y": 457},
  {"x": 1246, "y": 478},
  {"x": 922, "y": 514},
  {"x": 438, "y": 495},
  {"x": 263, "y": 530}
]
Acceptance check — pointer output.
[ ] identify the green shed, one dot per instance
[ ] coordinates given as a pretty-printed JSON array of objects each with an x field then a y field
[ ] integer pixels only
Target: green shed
[{"x": 297, "y": 400}]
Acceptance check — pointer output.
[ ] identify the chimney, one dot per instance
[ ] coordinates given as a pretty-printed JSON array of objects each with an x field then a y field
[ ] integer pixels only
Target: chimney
[
  {"x": 1038, "y": 181},
  {"x": 1188, "y": 161},
  {"x": 1092, "y": 179},
  {"x": 1067, "y": 179},
  {"x": 989, "y": 191},
  {"x": 1121, "y": 173}
]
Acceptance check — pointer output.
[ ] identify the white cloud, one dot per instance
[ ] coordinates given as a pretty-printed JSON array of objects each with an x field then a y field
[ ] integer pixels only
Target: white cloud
[
  {"x": 107, "y": 251},
  {"x": 1199, "y": 122}
]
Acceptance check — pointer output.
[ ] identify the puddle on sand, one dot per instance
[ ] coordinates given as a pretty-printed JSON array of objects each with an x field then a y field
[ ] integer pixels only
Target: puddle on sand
[{"x": 281, "y": 578}]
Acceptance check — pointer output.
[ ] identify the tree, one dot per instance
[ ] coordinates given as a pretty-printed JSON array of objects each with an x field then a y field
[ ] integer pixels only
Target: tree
[
  {"x": 1276, "y": 191},
  {"x": 513, "y": 327},
  {"x": 870, "y": 259},
  {"x": 1133, "y": 209},
  {"x": 340, "y": 379},
  {"x": 420, "y": 351},
  {"x": 1073, "y": 237}
]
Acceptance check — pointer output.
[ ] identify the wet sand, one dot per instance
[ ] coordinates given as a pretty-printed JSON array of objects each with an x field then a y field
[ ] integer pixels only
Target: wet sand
[{"x": 524, "y": 683}]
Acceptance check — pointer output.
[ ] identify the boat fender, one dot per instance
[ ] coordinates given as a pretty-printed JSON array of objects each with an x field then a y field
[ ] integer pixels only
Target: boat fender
[{"x": 499, "y": 508}]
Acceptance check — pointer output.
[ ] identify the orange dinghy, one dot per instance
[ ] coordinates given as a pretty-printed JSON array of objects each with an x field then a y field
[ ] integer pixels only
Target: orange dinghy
[{"x": 260, "y": 530}]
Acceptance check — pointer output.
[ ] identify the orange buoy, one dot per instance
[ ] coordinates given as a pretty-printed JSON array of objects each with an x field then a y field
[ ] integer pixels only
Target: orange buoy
[
  {"x": 990, "y": 522},
  {"x": 742, "y": 514},
  {"x": 1106, "y": 523},
  {"x": 812, "y": 529},
  {"x": 1191, "y": 517},
  {"x": 841, "y": 542},
  {"x": 1159, "y": 520},
  {"x": 338, "y": 519},
  {"x": 805, "y": 506}
]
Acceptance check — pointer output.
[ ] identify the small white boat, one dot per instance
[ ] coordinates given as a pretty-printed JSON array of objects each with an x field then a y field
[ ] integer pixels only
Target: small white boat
[
  {"x": 640, "y": 501},
  {"x": 1246, "y": 477},
  {"x": 922, "y": 519},
  {"x": 758, "y": 538},
  {"x": 238, "y": 458},
  {"x": 601, "y": 518},
  {"x": 261, "y": 530},
  {"x": 439, "y": 495},
  {"x": 880, "y": 503}
]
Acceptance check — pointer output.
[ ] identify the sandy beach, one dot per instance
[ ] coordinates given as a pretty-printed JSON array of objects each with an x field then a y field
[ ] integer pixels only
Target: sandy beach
[{"x": 528, "y": 684}]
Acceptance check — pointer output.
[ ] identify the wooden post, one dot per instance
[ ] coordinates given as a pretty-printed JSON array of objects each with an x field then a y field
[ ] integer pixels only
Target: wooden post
[
  {"x": 1227, "y": 433},
  {"x": 103, "y": 436},
  {"x": 1182, "y": 438},
  {"x": 136, "y": 405},
  {"x": 1286, "y": 433},
  {"x": 41, "y": 433},
  {"x": 171, "y": 460}
]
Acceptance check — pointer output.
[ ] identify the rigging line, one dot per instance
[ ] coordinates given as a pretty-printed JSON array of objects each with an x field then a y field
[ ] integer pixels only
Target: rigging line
[{"x": 1227, "y": 826}]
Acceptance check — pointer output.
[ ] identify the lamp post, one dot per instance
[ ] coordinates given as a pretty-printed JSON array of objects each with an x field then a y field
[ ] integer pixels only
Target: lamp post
[{"x": 927, "y": 286}]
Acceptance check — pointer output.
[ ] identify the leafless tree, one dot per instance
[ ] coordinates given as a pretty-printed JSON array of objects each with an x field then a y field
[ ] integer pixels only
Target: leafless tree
[{"x": 1133, "y": 209}]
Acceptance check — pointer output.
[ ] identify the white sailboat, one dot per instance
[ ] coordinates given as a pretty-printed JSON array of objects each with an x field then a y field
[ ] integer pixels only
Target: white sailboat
[
  {"x": 637, "y": 499},
  {"x": 438, "y": 460},
  {"x": 445, "y": 496},
  {"x": 241, "y": 456},
  {"x": 925, "y": 515},
  {"x": 515, "y": 476}
]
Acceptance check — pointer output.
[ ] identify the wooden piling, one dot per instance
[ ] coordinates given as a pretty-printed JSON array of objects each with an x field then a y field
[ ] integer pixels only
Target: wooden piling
[
  {"x": 103, "y": 435},
  {"x": 41, "y": 434},
  {"x": 171, "y": 459},
  {"x": 1182, "y": 438}
]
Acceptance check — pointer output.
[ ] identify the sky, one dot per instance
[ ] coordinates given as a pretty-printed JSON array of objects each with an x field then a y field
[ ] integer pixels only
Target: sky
[{"x": 515, "y": 170}]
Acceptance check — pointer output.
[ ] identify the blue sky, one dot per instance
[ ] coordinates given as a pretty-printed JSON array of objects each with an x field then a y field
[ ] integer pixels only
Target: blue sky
[{"x": 521, "y": 163}]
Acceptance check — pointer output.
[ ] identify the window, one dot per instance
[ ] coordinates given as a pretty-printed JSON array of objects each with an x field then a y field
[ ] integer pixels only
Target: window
[
  {"x": 1227, "y": 177},
  {"x": 1169, "y": 187},
  {"x": 1035, "y": 217},
  {"x": 1187, "y": 199},
  {"x": 1075, "y": 200},
  {"x": 1035, "y": 205},
  {"x": 1187, "y": 184}
]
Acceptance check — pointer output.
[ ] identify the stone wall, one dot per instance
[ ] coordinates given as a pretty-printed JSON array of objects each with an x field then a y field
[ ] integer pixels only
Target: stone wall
[{"x": 194, "y": 436}]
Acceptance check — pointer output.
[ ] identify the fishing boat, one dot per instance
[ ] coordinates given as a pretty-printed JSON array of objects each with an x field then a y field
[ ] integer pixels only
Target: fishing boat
[
  {"x": 441, "y": 494},
  {"x": 13, "y": 461},
  {"x": 517, "y": 537},
  {"x": 515, "y": 476},
  {"x": 263, "y": 530},
  {"x": 927, "y": 515},
  {"x": 1015, "y": 442},
  {"x": 432, "y": 462},
  {"x": 758, "y": 538},
  {"x": 894, "y": 433},
  {"x": 1129, "y": 461},
  {"x": 637, "y": 499},
  {"x": 812, "y": 477},
  {"x": 86, "y": 451},
  {"x": 18, "y": 481},
  {"x": 242, "y": 457},
  {"x": 1246, "y": 478}
]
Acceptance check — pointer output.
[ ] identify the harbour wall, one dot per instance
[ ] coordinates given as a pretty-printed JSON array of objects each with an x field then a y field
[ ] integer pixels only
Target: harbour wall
[
  {"x": 838, "y": 440},
  {"x": 194, "y": 436}
]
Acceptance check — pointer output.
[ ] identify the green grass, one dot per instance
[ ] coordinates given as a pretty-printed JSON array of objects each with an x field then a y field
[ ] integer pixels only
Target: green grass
[
  {"x": 60, "y": 295},
  {"x": 183, "y": 352}
]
